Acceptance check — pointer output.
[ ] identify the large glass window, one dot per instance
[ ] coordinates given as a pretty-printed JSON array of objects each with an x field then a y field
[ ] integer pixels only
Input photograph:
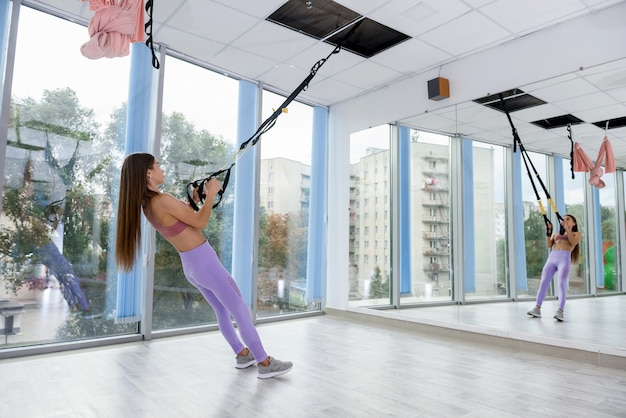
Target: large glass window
[
  {"x": 199, "y": 125},
  {"x": 608, "y": 228},
  {"x": 429, "y": 167},
  {"x": 285, "y": 176},
  {"x": 489, "y": 222},
  {"x": 578, "y": 283},
  {"x": 370, "y": 223},
  {"x": 64, "y": 145},
  {"x": 534, "y": 223}
]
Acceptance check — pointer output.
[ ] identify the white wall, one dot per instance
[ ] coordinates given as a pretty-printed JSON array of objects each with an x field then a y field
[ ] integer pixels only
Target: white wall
[{"x": 583, "y": 42}]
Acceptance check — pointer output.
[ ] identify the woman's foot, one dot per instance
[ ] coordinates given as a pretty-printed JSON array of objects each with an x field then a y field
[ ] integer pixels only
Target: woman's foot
[
  {"x": 272, "y": 367},
  {"x": 245, "y": 359},
  {"x": 558, "y": 315},
  {"x": 535, "y": 312}
]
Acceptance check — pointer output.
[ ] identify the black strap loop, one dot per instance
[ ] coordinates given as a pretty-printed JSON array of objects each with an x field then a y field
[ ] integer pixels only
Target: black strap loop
[
  {"x": 148, "y": 29},
  {"x": 264, "y": 127},
  {"x": 528, "y": 163}
]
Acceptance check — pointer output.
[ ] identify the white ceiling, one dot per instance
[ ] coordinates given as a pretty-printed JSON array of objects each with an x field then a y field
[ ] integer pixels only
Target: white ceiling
[{"x": 234, "y": 37}]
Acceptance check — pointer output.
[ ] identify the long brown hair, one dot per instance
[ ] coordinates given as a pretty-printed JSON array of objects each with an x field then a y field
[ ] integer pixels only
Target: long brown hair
[
  {"x": 575, "y": 256},
  {"x": 134, "y": 194}
]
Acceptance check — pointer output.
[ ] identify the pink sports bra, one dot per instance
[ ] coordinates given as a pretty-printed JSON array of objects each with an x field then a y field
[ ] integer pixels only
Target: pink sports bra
[{"x": 166, "y": 231}]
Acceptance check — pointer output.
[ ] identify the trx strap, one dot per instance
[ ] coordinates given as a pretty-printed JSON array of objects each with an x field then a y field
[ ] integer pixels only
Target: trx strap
[
  {"x": 518, "y": 142},
  {"x": 265, "y": 126},
  {"x": 148, "y": 29},
  {"x": 571, "y": 154}
]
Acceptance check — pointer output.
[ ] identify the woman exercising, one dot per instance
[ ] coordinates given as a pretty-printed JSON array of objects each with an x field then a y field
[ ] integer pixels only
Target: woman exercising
[
  {"x": 181, "y": 226},
  {"x": 565, "y": 251}
]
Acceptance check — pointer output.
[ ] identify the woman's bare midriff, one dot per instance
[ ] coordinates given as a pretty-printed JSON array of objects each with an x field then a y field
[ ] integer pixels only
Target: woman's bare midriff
[
  {"x": 563, "y": 245},
  {"x": 187, "y": 240}
]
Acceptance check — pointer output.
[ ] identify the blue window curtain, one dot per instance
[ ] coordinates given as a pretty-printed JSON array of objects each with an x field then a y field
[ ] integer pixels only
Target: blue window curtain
[
  {"x": 404, "y": 192},
  {"x": 138, "y": 139},
  {"x": 245, "y": 206},
  {"x": 315, "y": 265},
  {"x": 519, "y": 246},
  {"x": 469, "y": 256}
]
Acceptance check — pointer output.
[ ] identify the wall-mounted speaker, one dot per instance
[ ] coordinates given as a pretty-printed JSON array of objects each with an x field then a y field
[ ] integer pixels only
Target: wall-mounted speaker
[{"x": 438, "y": 88}]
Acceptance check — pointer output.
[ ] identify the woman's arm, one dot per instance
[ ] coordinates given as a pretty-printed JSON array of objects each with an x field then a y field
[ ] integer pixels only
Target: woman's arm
[
  {"x": 574, "y": 237},
  {"x": 167, "y": 205}
]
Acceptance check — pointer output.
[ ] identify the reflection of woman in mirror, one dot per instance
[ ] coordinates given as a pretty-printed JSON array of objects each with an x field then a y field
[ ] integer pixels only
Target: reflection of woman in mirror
[{"x": 564, "y": 252}]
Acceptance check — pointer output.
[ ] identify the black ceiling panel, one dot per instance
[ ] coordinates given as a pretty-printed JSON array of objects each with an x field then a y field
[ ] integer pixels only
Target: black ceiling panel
[
  {"x": 319, "y": 21},
  {"x": 514, "y": 100},
  {"x": 612, "y": 123},
  {"x": 367, "y": 38},
  {"x": 558, "y": 121},
  {"x": 337, "y": 25}
]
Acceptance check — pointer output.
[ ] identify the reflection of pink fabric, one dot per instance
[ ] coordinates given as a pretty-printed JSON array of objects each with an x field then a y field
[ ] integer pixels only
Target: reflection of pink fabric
[
  {"x": 113, "y": 27},
  {"x": 582, "y": 162}
]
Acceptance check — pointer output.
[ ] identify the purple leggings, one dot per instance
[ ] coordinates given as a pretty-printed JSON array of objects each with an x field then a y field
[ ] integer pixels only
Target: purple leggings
[
  {"x": 205, "y": 271},
  {"x": 559, "y": 260}
]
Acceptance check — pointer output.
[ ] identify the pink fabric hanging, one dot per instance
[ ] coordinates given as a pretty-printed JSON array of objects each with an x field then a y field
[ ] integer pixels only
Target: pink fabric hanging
[
  {"x": 113, "y": 27},
  {"x": 582, "y": 162},
  {"x": 606, "y": 152}
]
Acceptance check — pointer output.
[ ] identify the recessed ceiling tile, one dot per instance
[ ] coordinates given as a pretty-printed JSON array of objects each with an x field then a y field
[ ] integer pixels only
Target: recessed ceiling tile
[
  {"x": 469, "y": 32},
  {"x": 588, "y": 101},
  {"x": 367, "y": 75},
  {"x": 565, "y": 90},
  {"x": 415, "y": 18},
  {"x": 585, "y": 132},
  {"x": 411, "y": 56},
  {"x": 362, "y": 7},
  {"x": 75, "y": 7},
  {"x": 603, "y": 113},
  {"x": 524, "y": 16},
  {"x": 192, "y": 45},
  {"x": 259, "y": 9},
  {"x": 544, "y": 111},
  {"x": 608, "y": 80},
  {"x": 243, "y": 63},
  {"x": 273, "y": 41},
  {"x": 211, "y": 20},
  {"x": 335, "y": 63},
  {"x": 163, "y": 12},
  {"x": 284, "y": 75},
  {"x": 476, "y": 112},
  {"x": 331, "y": 90},
  {"x": 618, "y": 94},
  {"x": 531, "y": 88}
]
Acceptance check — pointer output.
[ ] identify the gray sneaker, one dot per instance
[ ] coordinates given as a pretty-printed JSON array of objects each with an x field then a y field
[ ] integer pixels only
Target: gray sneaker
[
  {"x": 245, "y": 361},
  {"x": 534, "y": 312},
  {"x": 558, "y": 315},
  {"x": 275, "y": 368}
]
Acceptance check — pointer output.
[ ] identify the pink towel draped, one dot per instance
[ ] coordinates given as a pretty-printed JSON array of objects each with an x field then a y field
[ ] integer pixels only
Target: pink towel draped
[{"x": 113, "y": 27}]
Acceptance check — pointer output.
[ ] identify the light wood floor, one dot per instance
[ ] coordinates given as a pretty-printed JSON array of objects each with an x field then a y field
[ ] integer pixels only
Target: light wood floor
[{"x": 343, "y": 367}]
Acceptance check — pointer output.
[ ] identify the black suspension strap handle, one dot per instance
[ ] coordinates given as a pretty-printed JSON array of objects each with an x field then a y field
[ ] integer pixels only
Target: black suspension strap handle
[
  {"x": 250, "y": 142},
  {"x": 517, "y": 142},
  {"x": 267, "y": 124}
]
